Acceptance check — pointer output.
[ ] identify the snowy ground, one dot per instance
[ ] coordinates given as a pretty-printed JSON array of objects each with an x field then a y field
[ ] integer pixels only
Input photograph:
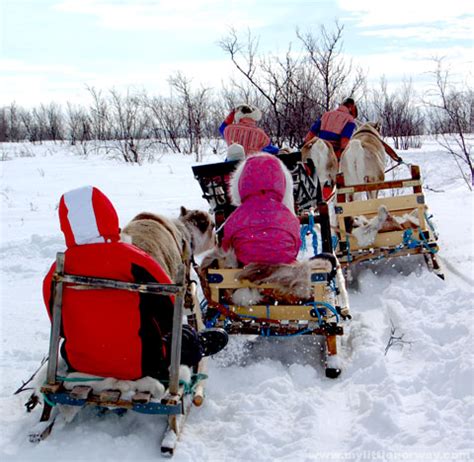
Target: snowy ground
[{"x": 266, "y": 400}]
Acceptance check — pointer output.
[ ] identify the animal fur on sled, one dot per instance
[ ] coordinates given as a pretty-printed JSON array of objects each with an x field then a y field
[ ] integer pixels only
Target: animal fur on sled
[
  {"x": 366, "y": 230},
  {"x": 291, "y": 281},
  {"x": 169, "y": 241}
]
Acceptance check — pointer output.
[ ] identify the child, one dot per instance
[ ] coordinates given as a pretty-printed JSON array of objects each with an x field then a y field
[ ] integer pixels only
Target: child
[
  {"x": 240, "y": 127},
  {"x": 108, "y": 332},
  {"x": 264, "y": 228}
]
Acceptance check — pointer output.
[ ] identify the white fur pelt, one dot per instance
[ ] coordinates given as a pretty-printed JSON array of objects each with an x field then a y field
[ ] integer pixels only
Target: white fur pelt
[
  {"x": 294, "y": 279},
  {"x": 219, "y": 258},
  {"x": 325, "y": 161},
  {"x": 365, "y": 230},
  {"x": 363, "y": 160}
]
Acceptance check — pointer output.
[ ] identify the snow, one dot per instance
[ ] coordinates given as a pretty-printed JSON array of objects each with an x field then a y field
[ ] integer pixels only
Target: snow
[{"x": 267, "y": 399}]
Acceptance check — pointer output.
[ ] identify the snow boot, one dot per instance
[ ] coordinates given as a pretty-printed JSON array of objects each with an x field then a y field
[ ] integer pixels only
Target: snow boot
[{"x": 213, "y": 340}]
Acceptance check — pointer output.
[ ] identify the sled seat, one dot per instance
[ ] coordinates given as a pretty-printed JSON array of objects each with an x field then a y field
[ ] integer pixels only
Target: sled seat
[
  {"x": 418, "y": 237},
  {"x": 145, "y": 395}
]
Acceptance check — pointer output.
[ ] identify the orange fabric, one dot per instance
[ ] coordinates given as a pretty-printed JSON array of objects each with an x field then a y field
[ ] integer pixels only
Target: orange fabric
[
  {"x": 335, "y": 121},
  {"x": 247, "y": 134}
]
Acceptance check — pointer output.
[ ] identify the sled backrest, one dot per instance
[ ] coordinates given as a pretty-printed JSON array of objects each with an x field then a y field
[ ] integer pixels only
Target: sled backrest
[
  {"x": 214, "y": 180},
  {"x": 78, "y": 282},
  {"x": 409, "y": 205}
]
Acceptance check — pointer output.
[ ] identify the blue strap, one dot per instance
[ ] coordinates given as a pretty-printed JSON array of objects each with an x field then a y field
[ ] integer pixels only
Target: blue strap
[
  {"x": 411, "y": 242},
  {"x": 60, "y": 378},
  {"x": 306, "y": 229},
  {"x": 328, "y": 306}
]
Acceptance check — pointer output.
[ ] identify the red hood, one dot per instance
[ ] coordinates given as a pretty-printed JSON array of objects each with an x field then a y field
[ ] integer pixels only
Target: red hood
[{"x": 87, "y": 216}]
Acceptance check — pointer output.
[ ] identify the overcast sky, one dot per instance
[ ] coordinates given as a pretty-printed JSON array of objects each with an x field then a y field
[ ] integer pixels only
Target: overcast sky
[{"x": 50, "y": 50}]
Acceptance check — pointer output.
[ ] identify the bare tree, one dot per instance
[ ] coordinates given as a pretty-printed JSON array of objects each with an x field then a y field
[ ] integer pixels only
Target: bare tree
[
  {"x": 294, "y": 89},
  {"x": 166, "y": 122},
  {"x": 3, "y": 125},
  {"x": 99, "y": 113},
  {"x": 130, "y": 124},
  {"x": 401, "y": 117},
  {"x": 260, "y": 73},
  {"x": 53, "y": 121},
  {"x": 325, "y": 53},
  {"x": 194, "y": 106},
  {"x": 452, "y": 113}
]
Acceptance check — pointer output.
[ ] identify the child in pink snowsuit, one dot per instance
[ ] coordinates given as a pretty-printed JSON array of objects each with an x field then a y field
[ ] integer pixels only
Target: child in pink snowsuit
[{"x": 264, "y": 228}]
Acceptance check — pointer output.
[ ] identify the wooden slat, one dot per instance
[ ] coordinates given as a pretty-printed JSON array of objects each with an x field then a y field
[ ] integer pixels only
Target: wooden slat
[
  {"x": 109, "y": 396},
  {"x": 361, "y": 207},
  {"x": 230, "y": 281},
  {"x": 80, "y": 392},
  {"x": 277, "y": 312},
  {"x": 395, "y": 184},
  {"x": 388, "y": 239},
  {"x": 51, "y": 388},
  {"x": 141, "y": 397}
]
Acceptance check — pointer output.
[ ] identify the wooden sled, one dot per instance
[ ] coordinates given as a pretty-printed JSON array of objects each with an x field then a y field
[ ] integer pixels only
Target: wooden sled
[
  {"x": 417, "y": 240},
  {"x": 319, "y": 315},
  {"x": 177, "y": 399}
]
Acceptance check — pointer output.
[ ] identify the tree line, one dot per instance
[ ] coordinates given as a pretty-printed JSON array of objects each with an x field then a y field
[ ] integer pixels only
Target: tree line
[{"x": 292, "y": 90}]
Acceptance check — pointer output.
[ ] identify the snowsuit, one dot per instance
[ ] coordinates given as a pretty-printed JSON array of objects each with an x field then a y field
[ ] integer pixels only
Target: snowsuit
[
  {"x": 263, "y": 228},
  {"x": 111, "y": 333},
  {"x": 334, "y": 126},
  {"x": 246, "y": 133}
]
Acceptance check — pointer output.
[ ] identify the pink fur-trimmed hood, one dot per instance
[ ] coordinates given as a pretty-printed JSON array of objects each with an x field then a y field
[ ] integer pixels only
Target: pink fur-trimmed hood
[{"x": 262, "y": 174}]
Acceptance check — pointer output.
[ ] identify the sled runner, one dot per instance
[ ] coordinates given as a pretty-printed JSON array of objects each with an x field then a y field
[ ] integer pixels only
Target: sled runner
[
  {"x": 65, "y": 395},
  {"x": 394, "y": 226}
]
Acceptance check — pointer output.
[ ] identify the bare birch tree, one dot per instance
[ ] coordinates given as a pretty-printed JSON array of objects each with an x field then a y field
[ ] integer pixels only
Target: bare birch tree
[{"x": 452, "y": 115}]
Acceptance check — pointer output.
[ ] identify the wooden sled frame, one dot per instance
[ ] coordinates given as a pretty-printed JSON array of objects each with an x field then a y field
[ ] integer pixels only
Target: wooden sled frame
[
  {"x": 321, "y": 316},
  {"x": 422, "y": 240},
  {"x": 175, "y": 403}
]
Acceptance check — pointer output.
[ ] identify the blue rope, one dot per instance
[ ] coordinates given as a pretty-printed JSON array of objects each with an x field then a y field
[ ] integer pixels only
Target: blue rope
[
  {"x": 325, "y": 305},
  {"x": 309, "y": 229},
  {"x": 48, "y": 401},
  {"x": 189, "y": 387},
  {"x": 412, "y": 243},
  {"x": 79, "y": 379},
  {"x": 212, "y": 322}
]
